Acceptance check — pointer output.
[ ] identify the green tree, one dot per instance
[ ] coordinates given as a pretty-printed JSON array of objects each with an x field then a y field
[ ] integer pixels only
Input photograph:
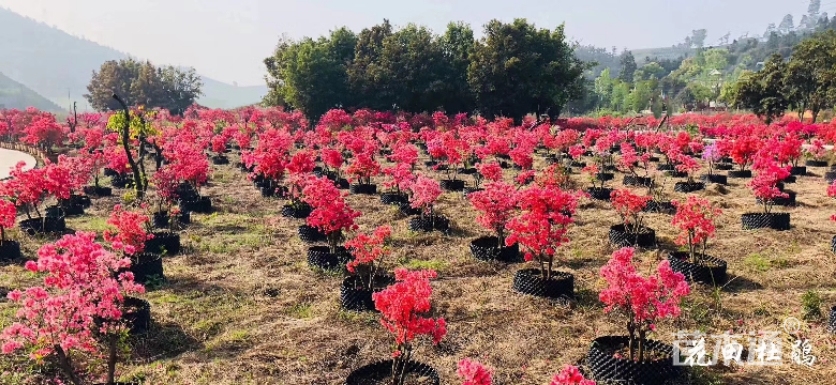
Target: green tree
[
  {"x": 517, "y": 69},
  {"x": 763, "y": 92},
  {"x": 628, "y": 67},
  {"x": 141, "y": 83},
  {"x": 810, "y": 76},
  {"x": 652, "y": 70},
  {"x": 366, "y": 77},
  {"x": 457, "y": 45}
]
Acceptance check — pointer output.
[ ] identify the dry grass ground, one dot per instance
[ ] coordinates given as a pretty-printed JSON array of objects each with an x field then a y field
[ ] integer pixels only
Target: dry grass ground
[{"x": 241, "y": 306}]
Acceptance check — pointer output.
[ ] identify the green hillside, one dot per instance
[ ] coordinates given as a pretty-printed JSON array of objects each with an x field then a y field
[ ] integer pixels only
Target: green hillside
[
  {"x": 16, "y": 95},
  {"x": 52, "y": 63}
]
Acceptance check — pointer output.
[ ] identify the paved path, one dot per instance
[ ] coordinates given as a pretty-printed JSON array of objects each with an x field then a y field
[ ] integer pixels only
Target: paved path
[{"x": 9, "y": 158}]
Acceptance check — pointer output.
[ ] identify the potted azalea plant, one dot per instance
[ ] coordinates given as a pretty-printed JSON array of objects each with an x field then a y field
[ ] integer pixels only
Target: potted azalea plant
[
  {"x": 9, "y": 249},
  {"x": 404, "y": 311},
  {"x": 332, "y": 217},
  {"x": 425, "y": 192},
  {"x": 219, "y": 146},
  {"x": 817, "y": 154},
  {"x": 742, "y": 152},
  {"x": 766, "y": 189},
  {"x": 643, "y": 301},
  {"x": 454, "y": 150},
  {"x": 130, "y": 234},
  {"x": 695, "y": 218},
  {"x": 540, "y": 229},
  {"x": 598, "y": 190},
  {"x": 367, "y": 275},
  {"x": 629, "y": 162},
  {"x": 711, "y": 155},
  {"x": 631, "y": 231},
  {"x": 332, "y": 161},
  {"x": 28, "y": 189},
  {"x": 689, "y": 166},
  {"x": 401, "y": 177},
  {"x": 496, "y": 205},
  {"x": 362, "y": 168},
  {"x": 81, "y": 311}
]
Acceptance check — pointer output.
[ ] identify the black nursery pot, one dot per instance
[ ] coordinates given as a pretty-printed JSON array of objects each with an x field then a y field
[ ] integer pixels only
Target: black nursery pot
[
  {"x": 676, "y": 174},
  {"x": 342, "y": 183},
  {"x": 321, "y": 257},
  {"x": 452, "y": 185},
  {"x": 815, "y": 163},
  {"x": 365, "y": 189},
  {"x": 775, "y": 221},
  {"x": 833, "y": 244},
  {"x": 708, "y": 269},
  {"x": 605, "y": 176},
  {"x": 354, "y": 295},
  {"x": 199, "y": 205},
  {"x": 781, "y": 201},
  {"x": 160, "y": 220},
  {"x": 646, "y": 238},
  {"x": 147, "y": 266},
  {"x": 630, "y": 180},
  {"x": 607, "y": 367},
  {"x": 407, "y": 210},
  {"x": 832, "y": 321},
  {"x": 685, "y": 187},
  {"x": 488, "y": 249},
  {"x": 830, "y": 176},
  {"x": 429, "y": 223},
  {"x": 9, "y": 250},
  {"x": 600, "y": 193},
  {"x": 70, "y": 208},
  {"x": 164, "y": 242},
  {"x": 665, "y": 167},
  {"x": 393, "y": 198},
  {"x": 577, "y": 164},
  {"x": 660, "y": 207},
  {"x": 110, "y": 172},
  {"x": 310, "y": 234},
  {"x": 530, "y": 281},
  {"x": 298, "y": 211},
  {"x": 798, "y": 170},
  {"x": 220, "y": 160},
  {"x": 98, "y": 191},
  {"x": 119, "y": 181},
  {"x": 136, "y": 313},
  {"x": 724, "y": 166},
  {"x": 43, "y": 225},
  {"x": 740, "y": 174},
  {"x": 713, "y": 178},
  {"x": 467, "y": 171},
  {"x": 380, "y": 373}
]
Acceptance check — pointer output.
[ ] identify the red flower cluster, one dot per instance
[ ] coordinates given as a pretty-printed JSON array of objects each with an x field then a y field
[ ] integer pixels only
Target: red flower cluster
[
  {"x": 474, "y": 373},
  {"x": 403, "y": 305},
  {"x": 367, "y": 249},
  {"x": 425, "y": 191},
  {"x": 131, "y": 230},
  {"x": 496, "y": 203},
  {"x": 630, "y": 207},
  {"x": 570, "y": 375},
  {"x": 695, "y": 220},
  {"x": 83, "y": 282}
]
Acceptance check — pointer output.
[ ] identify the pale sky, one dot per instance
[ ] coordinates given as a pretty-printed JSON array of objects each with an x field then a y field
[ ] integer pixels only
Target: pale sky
[{"x": 228, "y": 39}]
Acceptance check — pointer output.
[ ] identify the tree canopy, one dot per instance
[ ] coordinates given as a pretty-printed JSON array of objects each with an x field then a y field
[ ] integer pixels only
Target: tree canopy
[
  {"x": 143, "y": 84},
  {"x": 514, "y": 70}
]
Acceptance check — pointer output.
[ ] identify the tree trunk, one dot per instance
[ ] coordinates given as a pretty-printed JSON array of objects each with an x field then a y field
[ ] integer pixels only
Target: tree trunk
[{"x": 125, "y": 143}]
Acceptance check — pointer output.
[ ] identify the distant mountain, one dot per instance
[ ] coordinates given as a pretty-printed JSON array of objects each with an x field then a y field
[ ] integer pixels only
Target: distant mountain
[
  {"x": 16, "y": 95},
  {"x": 56, "y": 64}
]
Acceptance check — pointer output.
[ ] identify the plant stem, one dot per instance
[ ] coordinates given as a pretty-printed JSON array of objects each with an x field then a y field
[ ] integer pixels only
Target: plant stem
[
  {"x": 66, "y": 365},
  {"x": 111, "y": 361}
]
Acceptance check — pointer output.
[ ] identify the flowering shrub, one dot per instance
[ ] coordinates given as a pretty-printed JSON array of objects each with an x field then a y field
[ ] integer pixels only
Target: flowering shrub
[
  {"x": 816, "y": 150},
  {"x": 368, "y": 250},
  {"x": 363, "y": 167},
  {"x": 425, "y": 191},
  {"x": 83, "y": 282},
  {"x": 711, "y": 155},
  {"x": 629, "y": 207},
  {"x": 188, "y": 163},
  {"x": 474, "y": 373},
  {"x": 403, "y": 308},
  {"x": 630, "y": 160},
  {"x": 765, "y": 184},
  {"x": 591, "y": 171},
  {"x": 542, "y": 226},
  {"x": 402, "y": 177},
  {"x": 642, "y": 300},
  {"x": 332, "y": 219},
  {"x": 319, "y": 192},
  {"x": 8, "y": 213},
  {"x": 496, "y": 204},
  {"x": 743, "y": 150},
  {"x": 131, "y": 230},
  {"x": 570, "y": 375},
  {"x": 491, "y": 171},
  {"x": 695, "y": 219},
  {"x": 687, "y": 164}
]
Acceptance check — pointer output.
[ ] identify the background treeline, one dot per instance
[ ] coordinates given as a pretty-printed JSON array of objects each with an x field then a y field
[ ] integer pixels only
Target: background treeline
[{"x": 515, "y": 69}]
